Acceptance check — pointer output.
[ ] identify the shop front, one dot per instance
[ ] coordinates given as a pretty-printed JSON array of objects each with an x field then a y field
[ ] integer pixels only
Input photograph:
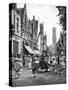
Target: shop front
[{"x": 27, "y": 54}]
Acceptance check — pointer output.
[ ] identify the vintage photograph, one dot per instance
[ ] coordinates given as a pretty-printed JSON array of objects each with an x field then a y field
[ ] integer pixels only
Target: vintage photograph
[{"x": 37, "y": 44}]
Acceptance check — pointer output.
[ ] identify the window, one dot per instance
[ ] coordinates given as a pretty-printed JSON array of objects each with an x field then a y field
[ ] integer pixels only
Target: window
[
  {"x": 32, "y": 26},
  {"x": 32, "y": 30},
  {"x": 26, "y": 20},
  {"x": 15, "y": 47},
  {"x": 17, "y": 25},
  {"x": 14, "y": 19},
  {"x": 23, "y": 35}
]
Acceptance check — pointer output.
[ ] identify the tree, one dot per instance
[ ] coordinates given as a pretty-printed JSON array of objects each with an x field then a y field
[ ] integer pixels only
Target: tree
[
  {"x": 62, "y": 22},
  {"x": 62, "y": 15}
]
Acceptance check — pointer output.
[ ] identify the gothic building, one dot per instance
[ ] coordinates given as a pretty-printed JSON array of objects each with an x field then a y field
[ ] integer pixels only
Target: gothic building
[
  {"x": 41, "y": 33},
  {"x": 34, "y": 30}
]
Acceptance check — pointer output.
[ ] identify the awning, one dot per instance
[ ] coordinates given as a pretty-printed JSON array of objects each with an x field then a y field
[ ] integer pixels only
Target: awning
[{"x": 29, "y": 49}]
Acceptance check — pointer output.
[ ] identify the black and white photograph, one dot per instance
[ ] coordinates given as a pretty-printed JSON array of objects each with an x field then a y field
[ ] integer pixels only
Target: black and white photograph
[{"x": 37, "y": 44}]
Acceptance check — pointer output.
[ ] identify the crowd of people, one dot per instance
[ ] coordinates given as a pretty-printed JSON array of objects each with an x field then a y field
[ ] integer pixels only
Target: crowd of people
[{"x": 39, "y": 63}]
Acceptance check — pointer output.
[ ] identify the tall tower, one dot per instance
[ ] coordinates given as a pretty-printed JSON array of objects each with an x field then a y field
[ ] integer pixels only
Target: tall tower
[
  {"x": 45, "y": 42},
  {"x": 34, "y": 30},
  {"x": 41, "y": 36},
  {"x": 54, "y": 36}
]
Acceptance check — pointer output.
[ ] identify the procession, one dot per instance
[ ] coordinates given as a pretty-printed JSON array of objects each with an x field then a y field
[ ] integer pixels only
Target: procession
[
  {"x": 40, "y": 64},
  {"x": 37, "y": 53}
]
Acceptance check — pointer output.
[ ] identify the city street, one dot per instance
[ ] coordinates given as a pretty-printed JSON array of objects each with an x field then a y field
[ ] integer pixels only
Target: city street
[
  {"x": 27, "y": 79},
  {"x": 37, "y": 42}
]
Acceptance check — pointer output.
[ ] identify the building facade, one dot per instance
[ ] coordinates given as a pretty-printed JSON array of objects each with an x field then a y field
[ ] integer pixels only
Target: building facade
[
  {"x": 23, "y": 32},
  {"x": 34, "y": 30},
  {"x": 54, "y": 35},
  {"x": 45, "y": 42},
  {"x": 41, "y": 33},
  {"x": 26, "y": 35},
  {"x": 14, "y": 30}
]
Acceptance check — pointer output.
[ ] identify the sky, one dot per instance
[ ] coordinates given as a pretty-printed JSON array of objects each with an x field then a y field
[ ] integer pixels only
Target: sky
[{"x": 46, "y": 14}]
